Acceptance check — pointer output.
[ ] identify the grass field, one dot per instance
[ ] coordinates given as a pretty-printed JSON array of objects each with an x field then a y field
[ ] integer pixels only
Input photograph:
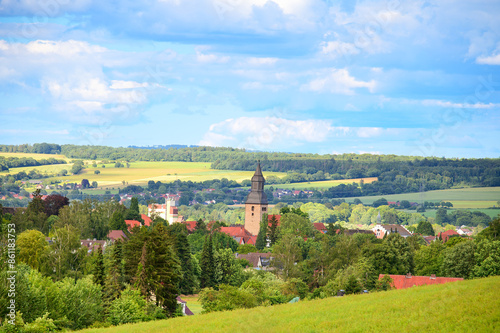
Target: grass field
[
  {"x": 192, "y": 303},
  {"x": 35, "y": 156},
  {"x": 477, "y": 197},
  {"x": 323, "y": 184},
  {"x": 464, "y": 306},
  {"x": 490, "y": 212}
]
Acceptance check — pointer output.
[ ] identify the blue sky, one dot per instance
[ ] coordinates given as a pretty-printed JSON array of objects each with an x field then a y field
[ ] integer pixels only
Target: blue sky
[{"x": 390, "y": 77}]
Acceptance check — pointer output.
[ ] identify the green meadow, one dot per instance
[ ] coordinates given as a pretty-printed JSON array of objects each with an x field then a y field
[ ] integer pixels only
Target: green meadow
[
  {"x": 474, "y": 197},
  {"x": 464, "y": 306},
  {"x": 321, "y": 185}
]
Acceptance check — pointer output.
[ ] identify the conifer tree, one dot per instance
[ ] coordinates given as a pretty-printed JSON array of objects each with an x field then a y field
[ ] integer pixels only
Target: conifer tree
[
  {"x": 133, "y": 211},
  {"x": 273, "y": 230},
  {"x": 166, "y": 270},
  {"x": 113, "y": 284},
  {"x": 261, "y": 241},
  {"x": 201, "y": 226},
  {"x": 98, "y": 268},
  {"x": 207, "y": 264},
  {"x": 117, "y": 222},
  {"x": 188, "y": 282}
]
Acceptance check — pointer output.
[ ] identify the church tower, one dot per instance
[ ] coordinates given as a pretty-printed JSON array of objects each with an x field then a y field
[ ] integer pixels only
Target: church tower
[{"x": 256, "y": 204}]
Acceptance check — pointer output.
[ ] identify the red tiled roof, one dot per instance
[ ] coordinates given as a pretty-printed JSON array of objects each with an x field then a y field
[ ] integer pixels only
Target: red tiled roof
[
  {"x": 408, "y": 281},
  {"x": 147, "y": 219},
  {"x": 236, "y": 231},
  {"x": 320, "y": 227},
  {"x": 190, "y": 225},
  {"x": 240, "y": 234},
  {"x": 132, "y": 223},
  {"x": 445, "y": 235},
  {"x": 270, "y": 217},
  {"x": 116, "y": 235}
]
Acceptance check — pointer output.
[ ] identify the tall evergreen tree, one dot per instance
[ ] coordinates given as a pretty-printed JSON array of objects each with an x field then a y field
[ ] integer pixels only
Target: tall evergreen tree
[
  {"x": 273, "y": 230},
  {"x": 152, "y": 265},
  {"x": 188, "y": 282},
  {"x": 201, "y": 226},
  {"x": 167, "y": 270},
  {"x": 113, "y": 285},
  {"x": 207, "y": 264},
  {"x": 117, "y": 222},
  {"x": 133, "y": 211},
  {"x": 261, "y": 241},
  {"x": 98, "y": 268}
]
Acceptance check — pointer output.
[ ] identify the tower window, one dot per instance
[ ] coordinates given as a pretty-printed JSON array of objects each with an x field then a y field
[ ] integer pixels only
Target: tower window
[
  {"x": 252, "y": 214},
  {"x": 263, "y": 209},
  {"x": 253, "y": 207}
]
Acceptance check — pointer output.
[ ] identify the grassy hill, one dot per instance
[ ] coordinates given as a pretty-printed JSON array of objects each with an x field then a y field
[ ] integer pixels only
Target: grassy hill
[
  {"x": 474, "y": 197},
  {"x": 465, "y": 306}
]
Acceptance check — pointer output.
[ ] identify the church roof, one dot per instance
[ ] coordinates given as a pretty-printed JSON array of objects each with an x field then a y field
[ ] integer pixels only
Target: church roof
[
  {"x": 257, "y": 176},
  {"x": 257, "y": 195}
]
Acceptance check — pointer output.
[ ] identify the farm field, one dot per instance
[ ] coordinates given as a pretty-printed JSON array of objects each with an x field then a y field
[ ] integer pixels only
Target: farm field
[
  {"x": 490, "y": 212},
  {"x": 476, "y": 197},
  {"x": 436, "y": 308},
  {"x": 139, "y": 173},
  {"x": 322, "y": 184},
  {"x": 35, "y": 156}
]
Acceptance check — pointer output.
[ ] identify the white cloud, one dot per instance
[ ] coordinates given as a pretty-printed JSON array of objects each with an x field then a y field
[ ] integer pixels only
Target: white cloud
[
  {"x": 211, "y": 58},
  {"x": 264, "y": 132},
  {"x": 448, "y": 104},
  {"x": 338, "y": 81},
  {"x": 369, "y": 132},
  {"x": 261, "y": 61},
  {"x": 491, "y": 60},
  {"x": 337, "y": 49},
  {"x": 63, "y": 48}
]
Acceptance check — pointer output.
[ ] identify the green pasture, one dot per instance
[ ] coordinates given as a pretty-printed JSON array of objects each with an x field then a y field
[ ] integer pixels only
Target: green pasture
[
  {"x": 464, "y": 306},
  {"x": 476, "y": 197},
  {"x": 321, "y": 185},
  {"x": 193, "y": 303},
  {"x": 493, "y": 213},
  {"x": 35, "y": 156}
]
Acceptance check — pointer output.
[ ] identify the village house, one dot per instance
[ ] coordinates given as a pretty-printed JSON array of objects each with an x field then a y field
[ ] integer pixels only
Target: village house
[
  {"x": 261, "y": 261},
  {"x": 380, "y": 230}
]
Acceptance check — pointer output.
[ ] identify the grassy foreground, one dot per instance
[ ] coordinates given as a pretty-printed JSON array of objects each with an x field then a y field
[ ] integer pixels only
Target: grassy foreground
[{"x": 465, "y": 306}]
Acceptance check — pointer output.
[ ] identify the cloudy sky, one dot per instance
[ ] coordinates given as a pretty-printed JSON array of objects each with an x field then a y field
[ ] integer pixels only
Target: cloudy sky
[{"x": 391, "y": 77}]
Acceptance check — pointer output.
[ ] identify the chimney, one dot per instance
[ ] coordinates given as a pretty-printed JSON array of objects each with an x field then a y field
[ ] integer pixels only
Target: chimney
[
  {"x": 408, "y": 276},
  {"x": 433, "y": 276}
]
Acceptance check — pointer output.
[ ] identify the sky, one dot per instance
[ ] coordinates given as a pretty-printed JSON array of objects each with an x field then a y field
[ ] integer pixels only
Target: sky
[{"x": 307, "y": 76}]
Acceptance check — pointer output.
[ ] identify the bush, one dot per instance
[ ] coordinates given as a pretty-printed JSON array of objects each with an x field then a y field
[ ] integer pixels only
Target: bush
[
  {"x": 129, "y": 308},
  {"x": 41, "y": 325},
  {"x": 226, "y": 298}
]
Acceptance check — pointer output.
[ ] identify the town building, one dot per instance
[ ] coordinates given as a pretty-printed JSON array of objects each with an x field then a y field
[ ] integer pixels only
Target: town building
[
  {"x": 380, "y": 230},
  {"x": 167, "y": 211},
  {"x": 256, "y": 204}
]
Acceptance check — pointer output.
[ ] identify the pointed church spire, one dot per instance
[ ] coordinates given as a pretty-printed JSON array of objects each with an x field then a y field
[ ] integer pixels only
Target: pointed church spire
[
  {"x": 379, "y": 218},
  {"x": 257, "y": 194}
]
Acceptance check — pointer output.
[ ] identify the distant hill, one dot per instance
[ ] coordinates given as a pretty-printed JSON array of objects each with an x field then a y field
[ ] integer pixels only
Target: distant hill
[
  {"x": 465, "y": 306},
  {"x": 163, "y": 147}
]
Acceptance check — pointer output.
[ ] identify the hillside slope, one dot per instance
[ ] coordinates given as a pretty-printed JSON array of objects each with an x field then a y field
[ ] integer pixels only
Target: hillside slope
[{"x": 465, "y": 306}]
